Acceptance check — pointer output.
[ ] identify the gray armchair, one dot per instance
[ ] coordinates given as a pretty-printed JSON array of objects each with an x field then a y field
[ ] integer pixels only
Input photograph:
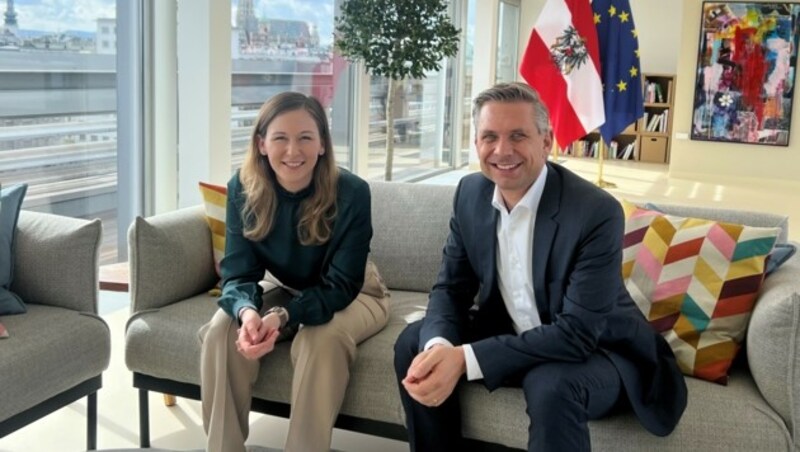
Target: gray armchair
[{"x": 57, "y": 350}]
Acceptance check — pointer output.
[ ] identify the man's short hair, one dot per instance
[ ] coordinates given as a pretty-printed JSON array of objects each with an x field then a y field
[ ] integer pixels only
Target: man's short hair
[{"x": 513, "y": 92}]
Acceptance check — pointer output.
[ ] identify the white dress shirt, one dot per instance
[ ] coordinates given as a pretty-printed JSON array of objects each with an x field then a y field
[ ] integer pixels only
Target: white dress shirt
[{"x": 514, "y": 266}]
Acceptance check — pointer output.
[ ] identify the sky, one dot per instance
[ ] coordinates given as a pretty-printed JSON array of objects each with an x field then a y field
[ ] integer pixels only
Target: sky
[{"x": 61, "y": 15}]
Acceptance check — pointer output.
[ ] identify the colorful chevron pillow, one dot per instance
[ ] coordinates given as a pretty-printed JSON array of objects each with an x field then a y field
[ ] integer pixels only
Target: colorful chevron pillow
[
  {"x": 696, "y": 281},
  {"x": 215, "y": 199}
]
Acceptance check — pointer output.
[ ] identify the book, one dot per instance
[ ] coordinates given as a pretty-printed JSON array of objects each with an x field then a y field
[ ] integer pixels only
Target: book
[
  {"x": 659, "y": 93},
  {"x": 628, "y": 151}
]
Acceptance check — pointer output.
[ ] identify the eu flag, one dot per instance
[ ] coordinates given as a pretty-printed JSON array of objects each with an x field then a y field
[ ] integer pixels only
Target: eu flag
[{"x": 619, "y": 62}]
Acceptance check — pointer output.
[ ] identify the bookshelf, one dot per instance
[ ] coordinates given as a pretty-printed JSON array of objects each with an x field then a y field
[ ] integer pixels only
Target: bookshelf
[
  {"x": 646, "y": 140},
  {"x": 655, "y": 127}
]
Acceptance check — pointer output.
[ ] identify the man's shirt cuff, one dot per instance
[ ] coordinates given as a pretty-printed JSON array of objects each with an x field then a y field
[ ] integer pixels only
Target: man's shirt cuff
[
  {"x": 438, "y": 340},
  {"x": 473, "y": 368}
]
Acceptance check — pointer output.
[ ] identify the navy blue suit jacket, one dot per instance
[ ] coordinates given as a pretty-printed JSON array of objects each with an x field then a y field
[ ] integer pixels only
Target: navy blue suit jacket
[{"x": 580, "y": 295}]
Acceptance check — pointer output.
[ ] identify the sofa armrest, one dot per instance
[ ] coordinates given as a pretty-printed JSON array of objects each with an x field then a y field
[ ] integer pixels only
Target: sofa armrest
[
  {"x": 773, "y": 342},
  {"x": 56, "y": 261},
  {"x": 170, "y": 258}
]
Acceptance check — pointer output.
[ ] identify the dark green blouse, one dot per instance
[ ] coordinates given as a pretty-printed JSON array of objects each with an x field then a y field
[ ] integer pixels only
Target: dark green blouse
[{"x": 328, "y": 276}]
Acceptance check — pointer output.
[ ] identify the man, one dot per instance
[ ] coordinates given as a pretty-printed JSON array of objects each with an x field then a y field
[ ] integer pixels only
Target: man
[{"x": 530, "y": 293}]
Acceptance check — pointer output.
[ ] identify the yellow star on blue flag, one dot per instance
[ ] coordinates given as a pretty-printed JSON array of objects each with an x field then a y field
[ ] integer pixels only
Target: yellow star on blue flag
[{"x": 619, "y": 63}]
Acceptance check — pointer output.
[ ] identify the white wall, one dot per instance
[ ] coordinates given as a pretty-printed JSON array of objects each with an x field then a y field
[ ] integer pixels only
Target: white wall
[
  {"x": 697, "y": 158},
  {"x": 659, "y": 25},
  {"x": 659, "y": 28}
]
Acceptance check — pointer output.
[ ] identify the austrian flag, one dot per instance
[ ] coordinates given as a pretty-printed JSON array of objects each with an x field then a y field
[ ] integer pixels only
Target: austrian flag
[{"x": 562, "y": 62}]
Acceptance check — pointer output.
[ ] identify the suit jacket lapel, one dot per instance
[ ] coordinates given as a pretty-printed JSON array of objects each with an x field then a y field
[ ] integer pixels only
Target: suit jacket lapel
[
  {"x": 486, "y": 235},
  {"x": 543, "y": 234}
]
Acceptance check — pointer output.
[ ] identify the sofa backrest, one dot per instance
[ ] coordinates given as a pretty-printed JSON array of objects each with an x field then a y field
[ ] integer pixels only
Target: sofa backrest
[{"x": 410, "y": 223}]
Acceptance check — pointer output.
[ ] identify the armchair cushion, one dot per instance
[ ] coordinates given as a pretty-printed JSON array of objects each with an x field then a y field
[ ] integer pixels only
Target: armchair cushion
[
  {"x": 10, "y": 203},
  {"x": 57, "y": 261}
]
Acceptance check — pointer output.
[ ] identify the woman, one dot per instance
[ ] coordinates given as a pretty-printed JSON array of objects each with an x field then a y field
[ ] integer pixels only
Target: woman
[{"x": 293, "y": 213}]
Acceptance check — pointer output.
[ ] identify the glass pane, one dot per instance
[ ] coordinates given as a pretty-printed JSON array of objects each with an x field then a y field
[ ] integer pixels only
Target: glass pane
[
  {"x": 507, "y": 43},
  {"x": 422, "y": 122},
  {"x": 466, "y": 119},
  {"x": 286, "y": 46},
  {"x": 58, "y": 120},
  {"x": 421, "y": 127}
]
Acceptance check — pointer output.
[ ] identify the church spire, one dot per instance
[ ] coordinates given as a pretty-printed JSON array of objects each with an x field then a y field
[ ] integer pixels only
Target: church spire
[{"x": 10, "y": 15}]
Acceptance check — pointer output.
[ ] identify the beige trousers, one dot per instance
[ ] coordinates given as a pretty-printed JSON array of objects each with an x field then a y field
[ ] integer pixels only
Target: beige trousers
[{"x": 321, "y": 356}]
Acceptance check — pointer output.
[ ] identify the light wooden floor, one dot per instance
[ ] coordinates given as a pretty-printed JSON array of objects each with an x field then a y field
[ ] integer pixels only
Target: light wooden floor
[{"x": 180, "y": 428}]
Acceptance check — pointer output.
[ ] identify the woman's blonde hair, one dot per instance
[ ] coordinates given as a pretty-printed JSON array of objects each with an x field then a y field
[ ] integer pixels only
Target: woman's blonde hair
[{"x": 318, "y": 211}]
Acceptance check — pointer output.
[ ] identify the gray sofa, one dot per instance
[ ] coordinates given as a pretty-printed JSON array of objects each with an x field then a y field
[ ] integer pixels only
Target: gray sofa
[
  {"x": 57, "y": 350},
  {"x": 172, "y": 270}
]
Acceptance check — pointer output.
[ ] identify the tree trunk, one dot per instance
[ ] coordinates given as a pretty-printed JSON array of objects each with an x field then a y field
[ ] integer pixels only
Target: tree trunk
[{"x": 389, "y": 129}]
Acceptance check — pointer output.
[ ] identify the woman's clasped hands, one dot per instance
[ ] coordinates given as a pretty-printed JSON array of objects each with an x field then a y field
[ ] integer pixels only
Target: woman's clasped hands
[{"x": 257, "y": 334}]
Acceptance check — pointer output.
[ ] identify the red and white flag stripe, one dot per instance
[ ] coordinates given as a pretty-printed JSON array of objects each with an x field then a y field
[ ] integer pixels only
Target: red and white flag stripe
[{"x": 575, "y": 98}]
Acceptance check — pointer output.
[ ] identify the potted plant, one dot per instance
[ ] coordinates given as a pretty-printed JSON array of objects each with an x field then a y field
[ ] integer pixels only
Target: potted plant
[{"x": 396, "y": 39}]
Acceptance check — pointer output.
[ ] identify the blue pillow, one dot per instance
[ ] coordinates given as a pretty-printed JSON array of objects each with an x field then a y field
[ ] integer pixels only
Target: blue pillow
[
  {"x": 10, "y": 203},
  {"x": 780, "y": 254}
]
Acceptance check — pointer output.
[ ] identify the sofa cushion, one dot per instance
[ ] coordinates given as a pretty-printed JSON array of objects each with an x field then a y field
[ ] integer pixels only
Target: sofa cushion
[
  {"x": 746, "y": 217},
  {"x": 407, "y": 244},
  {"x": 150, "y": 337},
  {"x": 10, "y": 204},
  {"x": 69, "y": 347},
  {"x": 779, "y": 255},
  {"x": 716, "y": 418},
  {"x": 696, "y": 281},
  {"x": 782, "y": 251},
  {"x": 215, "y": 199}
]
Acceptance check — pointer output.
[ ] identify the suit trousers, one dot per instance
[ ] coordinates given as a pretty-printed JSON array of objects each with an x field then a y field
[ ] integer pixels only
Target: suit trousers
[
  {"x": 321, "y": 357},
  {"x": 561, "y": 398}
]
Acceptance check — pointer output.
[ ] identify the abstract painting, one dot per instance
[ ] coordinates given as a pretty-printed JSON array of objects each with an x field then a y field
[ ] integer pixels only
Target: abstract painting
[{"x": 746, "y": 68}]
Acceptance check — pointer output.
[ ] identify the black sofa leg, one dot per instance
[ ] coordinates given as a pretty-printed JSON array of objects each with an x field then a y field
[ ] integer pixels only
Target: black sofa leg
[
  {"x": 144, "y": 420},
  {"x": 91, "y": 421}
]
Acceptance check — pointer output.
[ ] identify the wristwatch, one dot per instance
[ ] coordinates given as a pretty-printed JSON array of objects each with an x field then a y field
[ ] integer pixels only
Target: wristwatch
[{"x": 282, "y": 313}]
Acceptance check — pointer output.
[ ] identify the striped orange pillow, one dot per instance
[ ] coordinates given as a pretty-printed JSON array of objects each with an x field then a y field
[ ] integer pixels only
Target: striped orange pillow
[{"x": 214, "y": 199}]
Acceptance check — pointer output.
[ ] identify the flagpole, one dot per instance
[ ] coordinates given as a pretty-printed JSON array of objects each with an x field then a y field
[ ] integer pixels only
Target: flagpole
[
  {"x": 554, "y": 153},
  {"x": 600, "y": 182}
]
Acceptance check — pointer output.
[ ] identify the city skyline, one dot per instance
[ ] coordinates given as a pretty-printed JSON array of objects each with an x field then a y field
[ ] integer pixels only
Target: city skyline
[
  {"x": 58, "y": 16},
  {"x": 317, "y": 12}
]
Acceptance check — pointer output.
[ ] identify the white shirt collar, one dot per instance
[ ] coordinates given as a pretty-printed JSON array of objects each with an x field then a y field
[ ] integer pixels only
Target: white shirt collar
[{"x": 531, "y": 198}]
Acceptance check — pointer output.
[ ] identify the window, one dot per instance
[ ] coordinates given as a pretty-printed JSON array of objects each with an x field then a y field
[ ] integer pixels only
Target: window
[
  {"x": 287, "y": 46},
  {"x": 58, "y": 112},
  {"x": 507, "y": 41},
  {"x": 421, "y": 124},
  {"x": 466, "y": 108},
  {"x": 423, "y": 112}
]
